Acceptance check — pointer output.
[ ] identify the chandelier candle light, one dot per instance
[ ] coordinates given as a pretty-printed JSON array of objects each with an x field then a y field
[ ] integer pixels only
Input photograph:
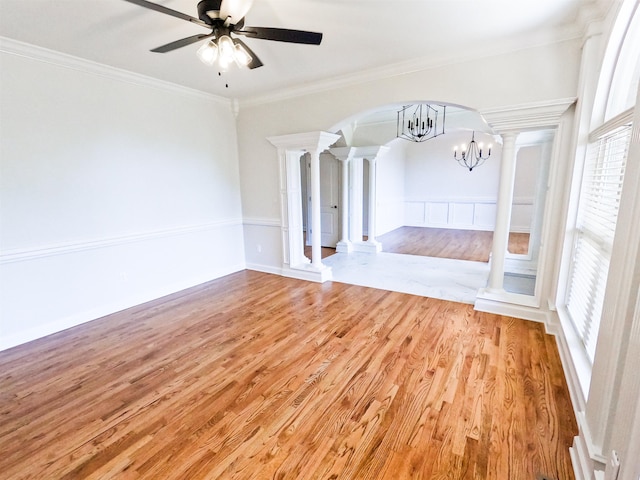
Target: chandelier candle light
[
  {"x": 418, "y": 123},
  {"x": 471, "y": 157}
]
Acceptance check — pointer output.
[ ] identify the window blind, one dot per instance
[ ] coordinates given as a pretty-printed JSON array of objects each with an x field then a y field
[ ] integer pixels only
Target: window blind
[{"x": 598, "y": 206}]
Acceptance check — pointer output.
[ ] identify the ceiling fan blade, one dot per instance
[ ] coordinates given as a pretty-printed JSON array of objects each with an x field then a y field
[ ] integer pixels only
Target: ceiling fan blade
[
  {"x": 167, "y": 11},
  {"x": 181, "y": 43},
  {"x": 236, "y": 9},
  {"x": 255, "y": 61},
  {"x": 281, "y": 35}
]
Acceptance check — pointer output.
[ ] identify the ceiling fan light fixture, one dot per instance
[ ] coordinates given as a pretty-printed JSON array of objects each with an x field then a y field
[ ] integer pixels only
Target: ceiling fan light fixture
[
  {"x": 223, "y": 18},
  {"x": 241, "y": 56},
  {"x": 226, "y": 51},
  {"x": 208, "y": 53}
]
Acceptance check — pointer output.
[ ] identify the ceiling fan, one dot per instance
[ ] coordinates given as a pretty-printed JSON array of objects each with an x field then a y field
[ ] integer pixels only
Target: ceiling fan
[{"x": 222, "y": 18}]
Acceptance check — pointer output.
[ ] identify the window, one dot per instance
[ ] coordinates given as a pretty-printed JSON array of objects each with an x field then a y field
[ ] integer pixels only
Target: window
[{"x": 598, "y": 205}]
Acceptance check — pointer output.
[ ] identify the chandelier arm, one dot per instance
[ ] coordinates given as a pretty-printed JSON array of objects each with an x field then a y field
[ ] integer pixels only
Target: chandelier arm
[{"x": 472, "y": 157}]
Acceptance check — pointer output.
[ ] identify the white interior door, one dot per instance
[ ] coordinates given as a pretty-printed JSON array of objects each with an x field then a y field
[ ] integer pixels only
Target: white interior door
[{"x": 329, "y": 200}]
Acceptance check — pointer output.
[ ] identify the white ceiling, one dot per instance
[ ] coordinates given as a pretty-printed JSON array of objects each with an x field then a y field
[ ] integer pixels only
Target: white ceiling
[{"x": 361, "y": 37}]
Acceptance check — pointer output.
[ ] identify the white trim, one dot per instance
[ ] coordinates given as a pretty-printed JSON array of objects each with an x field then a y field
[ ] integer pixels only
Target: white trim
[
  {"x": 459, "y": 199},
  {"x": 99, "y": 312},
  {"x": 308, "y": 272},
  {"x": 264, "y": 268},
  {"x": 33, "y": 52},
  {"x": 620, "y": 120},
  {"x": 594, "y": 452},
  {"x": 487, "y": 302},
  {"x": 575, "y": 363},
  {"x": 583, "y": 465},
  {"x": 529, "y": 116},
  {"x": 262, "y": 222},
  {"x": 395, "y": 70},
  {"x": 27, "y": 254}
]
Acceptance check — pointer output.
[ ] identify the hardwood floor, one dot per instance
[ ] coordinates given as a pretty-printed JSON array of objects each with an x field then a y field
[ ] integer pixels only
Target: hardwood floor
[
  {"x": 256, "y": 376},
  {"x": 324, "y": 252},
  {"x": 473, "y": 245},
  {"x": 518, "y": 243}
]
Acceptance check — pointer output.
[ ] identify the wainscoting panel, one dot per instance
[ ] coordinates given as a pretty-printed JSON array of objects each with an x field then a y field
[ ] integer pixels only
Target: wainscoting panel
[
  {"x": 438, "y": 213},
  {"x": 415, "y": 213},
  {"x": 459, "y": 213},
  {"x": 484, "y": 216}
]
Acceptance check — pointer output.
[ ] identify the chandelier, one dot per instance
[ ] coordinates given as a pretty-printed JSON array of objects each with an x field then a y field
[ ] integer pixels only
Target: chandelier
[
  {"x": 418, "y": 123},
  {"x": 471, "y": 157},
  {"x": 226, "y": 51}
]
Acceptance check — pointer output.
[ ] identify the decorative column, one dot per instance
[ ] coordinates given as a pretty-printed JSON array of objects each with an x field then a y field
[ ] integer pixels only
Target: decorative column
[
  {"x": 371, "y": 154},
  {"x": 503, "y": 212},
  {"x": 290, "y": 149},
  {"x": 371, "y": 240},
  {"x": 509, "y": 121},
  {"x": 344, "y": 155},
  {"x": 316, "y": 225},
  {"x": 293, "y": 238},
  {"x": 355, "y": 200}
]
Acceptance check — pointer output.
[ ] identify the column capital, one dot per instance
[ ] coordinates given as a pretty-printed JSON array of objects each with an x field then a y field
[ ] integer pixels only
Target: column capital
[
  {"x": 371, "y": 153},
  {"x": 509, "y": 136},
  {"x": 530, "y": 116},
  {"x": 344, "y": 154},
  {"x": 312, "y": 142}
]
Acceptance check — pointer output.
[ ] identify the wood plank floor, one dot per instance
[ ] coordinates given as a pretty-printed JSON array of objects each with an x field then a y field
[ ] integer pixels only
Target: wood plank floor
[
  {"x": 256, "y": 376},
  {"x": 473, "y": 245}
]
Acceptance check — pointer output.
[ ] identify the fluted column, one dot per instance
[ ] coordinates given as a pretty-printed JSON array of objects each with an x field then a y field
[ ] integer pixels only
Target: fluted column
[{"x": 503, "y": 212}]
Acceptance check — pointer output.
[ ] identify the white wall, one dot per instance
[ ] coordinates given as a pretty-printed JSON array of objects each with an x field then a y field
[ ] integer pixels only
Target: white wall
[
  {"x": 441, "y": 193},
  {"x": 115, "y": 189},
  {"x": 390, "y": 188},
  {"x": 532, "y": 75},
  {"x": 528, "y": 164}
]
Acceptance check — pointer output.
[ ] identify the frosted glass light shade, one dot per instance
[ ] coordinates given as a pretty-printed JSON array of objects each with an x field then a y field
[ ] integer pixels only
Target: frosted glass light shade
[{"x": 208, "y": 53}]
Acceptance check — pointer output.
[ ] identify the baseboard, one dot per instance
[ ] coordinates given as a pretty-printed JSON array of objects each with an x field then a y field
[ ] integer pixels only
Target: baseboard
[
  {"x": 309, "y": 273},
  {"x": 264, "y": 268},
  {"x": 510, "y": 310},
  {"x": 585, "y": 466},
  {"x": 59, "y": 325}
]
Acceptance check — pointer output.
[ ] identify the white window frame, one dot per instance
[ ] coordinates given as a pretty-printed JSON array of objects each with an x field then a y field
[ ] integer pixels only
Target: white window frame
[{"x": 599, "y": 198}]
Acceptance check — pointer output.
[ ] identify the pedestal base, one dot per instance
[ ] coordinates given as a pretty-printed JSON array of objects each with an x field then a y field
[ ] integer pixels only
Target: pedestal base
[
  {"x": 372, "y": 246},
  {"x": 344, "y": 247},
  {"x": 309, "y": 272}
]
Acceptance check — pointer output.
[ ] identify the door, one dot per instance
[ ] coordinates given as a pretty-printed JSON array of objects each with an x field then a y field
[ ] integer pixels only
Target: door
[{"x": 329, "y": 200}]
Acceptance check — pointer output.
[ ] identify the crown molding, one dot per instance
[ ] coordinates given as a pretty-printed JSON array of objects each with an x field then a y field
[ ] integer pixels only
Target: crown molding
[
  {"x": 484, "y": 51},
  {"x": 41, "y": 54}
]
